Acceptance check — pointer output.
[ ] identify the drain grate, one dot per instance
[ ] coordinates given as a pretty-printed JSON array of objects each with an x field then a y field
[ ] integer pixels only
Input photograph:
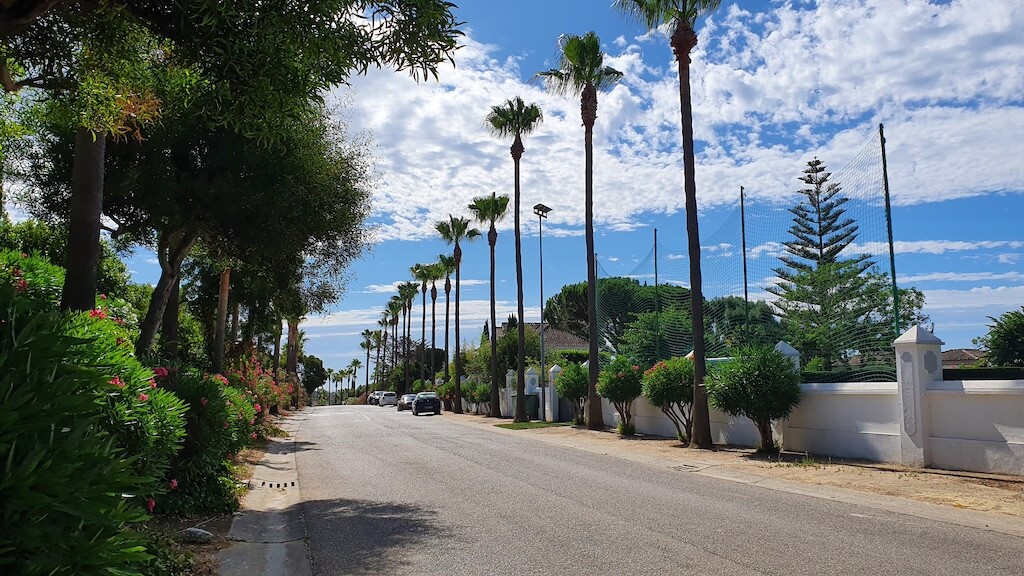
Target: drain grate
[{"x": 686, "y": 467}]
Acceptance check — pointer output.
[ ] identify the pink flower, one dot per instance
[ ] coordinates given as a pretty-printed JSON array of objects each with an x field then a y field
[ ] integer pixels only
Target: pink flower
[
  {"x": 257, "y": 407},
  {"x": 23, "y": 255},
  {"x": 120, "y": 341},
  {"x": 204, "y": 401},
  {"x": 97, "y": 313},
  {"x": 225, "y": 425},
  {"x": 16, "y": 272},
  {"x": 160, "y": 372},
  {"x": 173, "y": 484},
  {"x": 21, "y": 285},
  {"x": 253, "y": 435},
  {"x": 152, "y": 383},
  {"x": 103, "y": 296},
  {"x": 115, "y": 381},
  {"x": 252, "y": 421},
  {"x": 143, "y": 397},
  {"x": 150, "y": 504},
  {"x": 636, "y": 367}
]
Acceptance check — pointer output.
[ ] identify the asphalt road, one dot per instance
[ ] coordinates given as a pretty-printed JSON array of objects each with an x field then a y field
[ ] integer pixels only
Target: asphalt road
[{"x": 389, "y": 493}]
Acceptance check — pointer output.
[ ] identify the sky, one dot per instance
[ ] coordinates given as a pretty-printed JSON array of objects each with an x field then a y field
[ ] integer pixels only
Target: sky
[{"x": 774, "y": 84}]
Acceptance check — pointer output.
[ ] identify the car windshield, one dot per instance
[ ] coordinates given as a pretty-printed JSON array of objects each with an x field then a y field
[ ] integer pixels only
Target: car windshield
[
  {"x": 408, "y": 397},
  {"x": 426, "y": 395}
]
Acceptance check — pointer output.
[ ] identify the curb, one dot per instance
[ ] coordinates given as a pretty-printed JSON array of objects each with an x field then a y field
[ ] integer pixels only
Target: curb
[{"x": 268, "y": 534}]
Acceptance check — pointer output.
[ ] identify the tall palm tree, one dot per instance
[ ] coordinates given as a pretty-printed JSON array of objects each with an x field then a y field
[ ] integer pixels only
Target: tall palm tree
[
  {"x": 455, "y": 231},
  {"x": 337, "y": 376},
  {"x": 367, "y": 344},
  {"x": 353, "y": 371},
  {"x": 489, "y": 210},
  {"x": 407, "y": 292},
  {"x": 380, "y": 342},
  {"x": 435, "y": 272},
  {"x": 330, "y": 376},
  {"x": 395, "y": 310},
  {"x": 421, "y": 272},
  {"x": 582, "y": 72},
  {"x": 681, "y": 16},
  {"x": 447, "y": 264}
]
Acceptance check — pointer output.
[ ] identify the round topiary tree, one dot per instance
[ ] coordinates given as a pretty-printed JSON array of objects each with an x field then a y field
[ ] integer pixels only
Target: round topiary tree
[
  {"x": 621, "y": 382},
  {"x": 761, "y": 384},
  {"x": 669, "y": 386},
  {"x": 571, "y": 384}
]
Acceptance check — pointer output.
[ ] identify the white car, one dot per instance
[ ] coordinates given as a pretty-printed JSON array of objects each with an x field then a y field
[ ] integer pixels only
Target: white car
[{"x": 388, "y": 399}]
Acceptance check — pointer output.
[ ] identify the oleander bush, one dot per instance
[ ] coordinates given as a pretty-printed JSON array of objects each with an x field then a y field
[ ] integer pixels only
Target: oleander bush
[
  {"x": 621, "y": 382},
  {"x": 760, "y": 383},
  {"x": 669, "y": 386},
  {"x": 571, "y": 384}
]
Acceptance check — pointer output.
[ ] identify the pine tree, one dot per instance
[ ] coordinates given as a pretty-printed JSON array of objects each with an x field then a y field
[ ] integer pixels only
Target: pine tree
[{"x": 822, "y": 292}]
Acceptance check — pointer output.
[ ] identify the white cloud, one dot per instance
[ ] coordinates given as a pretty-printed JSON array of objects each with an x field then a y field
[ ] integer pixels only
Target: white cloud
[
  {"x": 471, "y": 312},
  {"x": 997, "y": 298},
  {"x": 392, "y": 288},
  {"x": 961, "y": 277}
]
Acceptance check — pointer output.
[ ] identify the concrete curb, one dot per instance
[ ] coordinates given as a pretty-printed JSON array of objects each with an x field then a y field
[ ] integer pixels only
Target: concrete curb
[
  {"x": 998, "y": 523},
  {"x": 268, "y": 534}
]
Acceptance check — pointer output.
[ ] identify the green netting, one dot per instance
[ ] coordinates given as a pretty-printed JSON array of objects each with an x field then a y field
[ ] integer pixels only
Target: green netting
[{"x": 817, "y": 276}]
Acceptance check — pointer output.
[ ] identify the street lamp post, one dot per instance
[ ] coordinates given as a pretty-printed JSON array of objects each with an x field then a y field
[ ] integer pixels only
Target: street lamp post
[{"x": 542, "y": 212}]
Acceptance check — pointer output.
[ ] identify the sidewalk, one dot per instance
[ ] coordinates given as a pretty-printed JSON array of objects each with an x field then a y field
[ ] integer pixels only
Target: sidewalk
[
  {"x": 985, "y": 501},
  {"x": 268, "y": 534}
]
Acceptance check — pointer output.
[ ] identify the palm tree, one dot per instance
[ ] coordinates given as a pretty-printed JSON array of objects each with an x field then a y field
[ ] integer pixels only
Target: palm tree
[
  {"x": 489, "y": 210},
  {"x": 407, "y": 292},
  {"x": 395, "y": 310},
  {"x": 353, "y": 370},
  {"x": 454, "y": 231},
  {"x": 380, "y": 342},
  {"x": 337, "y": 376},
  {"x": 447, "y": 265},
  {"x": 435, "y": 272},
  {"x": 330, "y": 375},
  {"x": 367, "y": 344},
  {"x": 682, "y": 16},
  {"x": 421, "y": 272},
  {"x": 582, "y": 72}
]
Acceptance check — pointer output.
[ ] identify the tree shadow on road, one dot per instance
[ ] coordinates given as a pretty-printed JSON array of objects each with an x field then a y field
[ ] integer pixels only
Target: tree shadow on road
[{"x": 367, "y": 537}]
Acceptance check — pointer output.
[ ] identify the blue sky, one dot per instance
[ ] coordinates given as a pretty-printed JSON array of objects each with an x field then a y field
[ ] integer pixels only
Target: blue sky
[{"x": 774, "y": 84}]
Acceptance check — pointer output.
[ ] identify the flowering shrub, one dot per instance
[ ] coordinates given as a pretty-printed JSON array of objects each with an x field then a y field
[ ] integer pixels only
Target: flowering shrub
[
  {"x": 221, "y": 420},
  {"x": 621, "y": 382},
  {"x": 572, "y": 384},
  {"x": 258, "y": 385},
  {"x": 669, "y": 386},
  {"x": 35, "y": 280},
  {"x": 64, "y": 475}
]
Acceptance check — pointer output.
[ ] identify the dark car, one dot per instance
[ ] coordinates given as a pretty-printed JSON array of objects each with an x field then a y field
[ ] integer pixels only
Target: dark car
[
  {"x": 405, "y": 402},
  {"x": 426, "y": 402}
]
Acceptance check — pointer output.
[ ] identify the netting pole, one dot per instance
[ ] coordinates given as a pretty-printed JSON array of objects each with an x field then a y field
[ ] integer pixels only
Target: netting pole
[
  {"x": 657, "y": 302},
  {"x": 888, "y": 222},
  {"x": 746, "y": 295}
]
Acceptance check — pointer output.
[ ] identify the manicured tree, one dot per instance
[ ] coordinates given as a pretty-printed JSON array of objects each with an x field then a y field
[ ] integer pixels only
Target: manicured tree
[
  {"x": 669, "y": 386},
  {"x": 582, "y": 72},
  {"x": 447, "y": 264},
  {"x": 573, "y": 384},
  {"x": 514, "y": 119},
  {"x": 760, "y": 383},
  {"x": 489, "y": 210},
  {"x": 454, "y": 231},
  {"x": 682, "y": 16},
  {"x": 621, "y": 382}
]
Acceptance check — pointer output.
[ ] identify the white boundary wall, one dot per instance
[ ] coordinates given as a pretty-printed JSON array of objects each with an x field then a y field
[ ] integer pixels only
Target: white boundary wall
[{"x": 920, "y": 420}]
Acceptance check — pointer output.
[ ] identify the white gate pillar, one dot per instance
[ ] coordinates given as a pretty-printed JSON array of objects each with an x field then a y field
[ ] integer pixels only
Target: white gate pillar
[{"x": 918, "y": 363}]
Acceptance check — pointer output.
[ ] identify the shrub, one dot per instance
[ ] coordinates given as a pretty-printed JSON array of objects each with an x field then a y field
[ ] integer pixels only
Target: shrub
[
  {"x": 669, "y": 386},
  {"x": 761, "y": 384},
  {"x": 65, "y": 478},
  {"x": 1005, "y": 339},
  {"x": 220, "y": 422},
  {"x": 571, "y": 384},
  {"x": 621, "y": 382}
]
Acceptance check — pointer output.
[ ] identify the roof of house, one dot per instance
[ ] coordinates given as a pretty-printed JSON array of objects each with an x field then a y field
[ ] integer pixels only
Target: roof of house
[
  {"x": 962, "y": 355},
  {"x": 554, "y": 339}
]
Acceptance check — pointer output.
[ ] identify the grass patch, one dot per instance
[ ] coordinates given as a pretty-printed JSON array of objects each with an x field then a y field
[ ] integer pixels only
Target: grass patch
[{"x": 531, "y": 425}]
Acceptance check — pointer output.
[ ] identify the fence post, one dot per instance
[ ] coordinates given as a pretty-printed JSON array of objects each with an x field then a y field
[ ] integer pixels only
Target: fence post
[
  {"x": 552, "y": 414},
  {"x": 918, "y": 363}
]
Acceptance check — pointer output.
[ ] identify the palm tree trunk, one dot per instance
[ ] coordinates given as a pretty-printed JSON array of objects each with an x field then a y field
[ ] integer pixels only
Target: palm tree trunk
[
  {"x": 423, "y": 336},
  {"x": 492, "y": 239},
  {"x": 447, "y": 322},
  {"x": 79, "y": 291},
  {"x": 595, "y": 415},
  {"x": 458, "y": 359},
  {"x": 433, "y": 330},
  {"x": 520, "y": 415},
  {"x": 683, "y": 40},
  {"x": 222, "y": 316}
]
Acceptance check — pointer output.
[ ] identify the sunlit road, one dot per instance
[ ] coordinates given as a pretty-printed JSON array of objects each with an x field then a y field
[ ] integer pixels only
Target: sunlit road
[{"x": 389, "y": 493}]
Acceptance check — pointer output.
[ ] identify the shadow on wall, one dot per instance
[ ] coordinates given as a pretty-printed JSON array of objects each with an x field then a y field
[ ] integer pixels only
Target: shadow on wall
[{"x": 364, "y": 537}]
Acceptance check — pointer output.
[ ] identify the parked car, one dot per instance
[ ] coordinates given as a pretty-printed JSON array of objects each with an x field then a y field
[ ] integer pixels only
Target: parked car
[
  {"x": 387, "y": 399},
  {"x": 426, "y": 402},
  {"x": 405, "y": 402},
  {"x": 372, "y": 398}
]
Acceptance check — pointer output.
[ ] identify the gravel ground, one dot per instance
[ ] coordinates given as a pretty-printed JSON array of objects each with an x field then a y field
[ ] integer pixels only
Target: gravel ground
[{"x": 389, "y": 493}]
